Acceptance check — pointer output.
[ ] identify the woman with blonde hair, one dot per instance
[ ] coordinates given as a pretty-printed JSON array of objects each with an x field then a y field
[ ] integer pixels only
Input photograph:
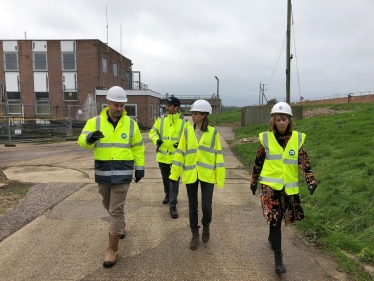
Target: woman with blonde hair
[{"x": 279, "y": 156}]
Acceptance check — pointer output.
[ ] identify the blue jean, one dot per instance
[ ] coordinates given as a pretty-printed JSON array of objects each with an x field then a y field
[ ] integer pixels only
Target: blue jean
[{"x": 206, "y": 202}]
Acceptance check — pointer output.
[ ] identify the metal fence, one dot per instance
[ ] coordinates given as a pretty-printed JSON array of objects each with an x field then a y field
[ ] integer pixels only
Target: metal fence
[{"x": 25, "y": 122}]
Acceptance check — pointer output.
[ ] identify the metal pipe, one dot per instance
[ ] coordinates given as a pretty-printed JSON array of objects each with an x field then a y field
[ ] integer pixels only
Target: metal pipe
[{"x": 217, "y": 106}]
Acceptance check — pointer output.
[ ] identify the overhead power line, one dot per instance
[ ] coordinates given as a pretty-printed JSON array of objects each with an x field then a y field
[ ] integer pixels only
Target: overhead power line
[{"x": 276, "y": 63}]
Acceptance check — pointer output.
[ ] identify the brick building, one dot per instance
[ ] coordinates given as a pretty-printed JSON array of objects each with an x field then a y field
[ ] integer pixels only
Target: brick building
[{"x": 57, "y": 79}]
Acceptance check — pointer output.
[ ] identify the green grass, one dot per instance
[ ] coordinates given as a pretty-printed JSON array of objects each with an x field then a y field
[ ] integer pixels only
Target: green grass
[
  {"x": 340, "y": 214},
  {"x": 225, "y": 117}
]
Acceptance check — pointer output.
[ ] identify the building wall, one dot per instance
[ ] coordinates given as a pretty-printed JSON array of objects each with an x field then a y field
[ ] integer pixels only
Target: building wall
[
  {"x": 89, "y": 54},
  {"x": 348, "y": 99},
  {"x": 143, "y": 103}
]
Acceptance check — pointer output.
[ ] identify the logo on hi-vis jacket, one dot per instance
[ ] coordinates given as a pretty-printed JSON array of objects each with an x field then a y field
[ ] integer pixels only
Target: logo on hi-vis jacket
[
  {"x": 292, "y": 152},
  {"x": 124, "y": 136}
]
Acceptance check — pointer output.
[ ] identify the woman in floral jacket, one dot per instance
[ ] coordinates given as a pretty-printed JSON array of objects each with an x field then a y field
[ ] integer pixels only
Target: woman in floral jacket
[{"x": 278, "y": 158}]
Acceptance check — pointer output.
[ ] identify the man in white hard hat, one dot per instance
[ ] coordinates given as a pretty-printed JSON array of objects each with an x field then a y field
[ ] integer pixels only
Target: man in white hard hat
[{"x": 118, "y": 150}]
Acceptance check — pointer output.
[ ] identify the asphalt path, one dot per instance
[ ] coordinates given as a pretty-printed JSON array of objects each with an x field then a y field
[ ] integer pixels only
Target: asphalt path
[{"x": 59, "y": 231}]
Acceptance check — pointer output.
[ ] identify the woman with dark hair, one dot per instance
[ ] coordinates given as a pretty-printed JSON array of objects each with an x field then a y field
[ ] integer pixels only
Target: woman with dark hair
[
  {"x": 199, "y": 159},
  {"x": 279, "y": 156}
]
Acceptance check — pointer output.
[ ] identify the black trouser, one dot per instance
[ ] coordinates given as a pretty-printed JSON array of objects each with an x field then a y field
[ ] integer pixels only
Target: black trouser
[
  {"x": 276, "y": 234},
  {"x": 206, "y": 202},
  {"x": 171, "y": 190}
]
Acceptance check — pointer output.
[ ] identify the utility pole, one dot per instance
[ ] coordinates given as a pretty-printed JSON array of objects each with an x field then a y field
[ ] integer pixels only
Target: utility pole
[
  {"x": 288, "y": 58},
  {"x": 262, "y": 94}
]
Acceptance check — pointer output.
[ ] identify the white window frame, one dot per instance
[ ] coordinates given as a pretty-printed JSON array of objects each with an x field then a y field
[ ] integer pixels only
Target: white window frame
[
  {"x": 68, "y": 62},
  {"x": 35, "y": 62},
  {"x": 5, "y": 61}
]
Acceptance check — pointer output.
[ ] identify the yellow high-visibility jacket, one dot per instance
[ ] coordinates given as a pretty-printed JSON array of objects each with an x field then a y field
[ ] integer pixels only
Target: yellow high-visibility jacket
[
  {"x": 168, "y": 128},
  {"x": 281, "y": 167},
  {"x": 203, "y": 160},
  {"x": 118, "y": 152}
]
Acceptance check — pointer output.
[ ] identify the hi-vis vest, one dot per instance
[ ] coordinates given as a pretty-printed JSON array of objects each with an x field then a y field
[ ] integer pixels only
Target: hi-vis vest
[
  {"x": 281, "y": 168},
  {"x": 203, "y": 160},
  {"x": 118, "y": 152},
  {"x": 168, "y": 128}
]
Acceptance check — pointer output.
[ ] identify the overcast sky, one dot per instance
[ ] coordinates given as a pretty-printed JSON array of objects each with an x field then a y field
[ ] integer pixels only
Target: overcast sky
[{"x": 180, "y": 46}]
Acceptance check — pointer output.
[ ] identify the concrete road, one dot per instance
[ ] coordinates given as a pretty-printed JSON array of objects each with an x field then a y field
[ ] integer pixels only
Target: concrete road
[{"x": 59, "y": 231}]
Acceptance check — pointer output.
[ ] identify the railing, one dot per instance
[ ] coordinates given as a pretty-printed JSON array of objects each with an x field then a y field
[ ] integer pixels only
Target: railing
[
  {"x": 191, "y": 97},
  {"x": 136, "y": 85},
  {"x": 336, "y": 96}
]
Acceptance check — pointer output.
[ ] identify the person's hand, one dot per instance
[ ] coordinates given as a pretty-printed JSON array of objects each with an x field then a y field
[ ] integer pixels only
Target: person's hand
[
  {"x": 159, "y": 142},
  {"x": 96, "y": 135},
  {"x": 137, "y": 179},
  {"x": 254, "y": 188},
  {"x": 176, "y": 144},
  {"x": 312, "y": 187}
]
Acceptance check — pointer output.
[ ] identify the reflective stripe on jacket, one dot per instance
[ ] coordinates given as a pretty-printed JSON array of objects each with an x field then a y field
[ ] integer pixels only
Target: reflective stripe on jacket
[
  {"x": 168, "y": 128},
  {"x": 280, "y": 168},
  {"x": 118, "y": 152},
  {"x": 203, "y": 160}
]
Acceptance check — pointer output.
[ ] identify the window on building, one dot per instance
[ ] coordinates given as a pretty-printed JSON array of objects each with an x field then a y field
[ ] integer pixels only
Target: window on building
[
  {"x": 70, "y": 96},
  {"x": 132, "y": 110},
  {"x": 123, "y": 74},
  {"x": 15, "y": 103},
  {"x": 42, "y": 103},
  {"x": 115, "y": 70},
  {"x": 105, "y": 66},
  {"x": 152, "y": 112},
  {"x": 128, "y": 80},
  {"x": 10, "y": 61},
  {"x": 13, "y": 96},
  {"x": 68, "y": 62},
  {"x": 40, "y": 61}
]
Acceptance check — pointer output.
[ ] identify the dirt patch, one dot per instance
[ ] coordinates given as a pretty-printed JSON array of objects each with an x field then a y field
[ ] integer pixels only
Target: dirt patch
[
  {"x": 11, "y": 192},
  {"x": 314, "y": 112}
]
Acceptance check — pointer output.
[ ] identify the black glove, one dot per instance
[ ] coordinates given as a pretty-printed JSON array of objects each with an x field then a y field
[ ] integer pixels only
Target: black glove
[
  {"x": 312, "y": 188},
  {"x": 96, "y": 135},
  {"x": 137, "y": 179},
  {"x": 254, "y": 188},
  {"x": 176, "y": 144},
  {"x": 159, "y": 142}
]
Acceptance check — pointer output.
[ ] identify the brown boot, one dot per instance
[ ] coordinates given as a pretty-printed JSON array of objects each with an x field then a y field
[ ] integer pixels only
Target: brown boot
[
  {"x": 112, "y": 251},
  {"x": 195, "y": 239}
]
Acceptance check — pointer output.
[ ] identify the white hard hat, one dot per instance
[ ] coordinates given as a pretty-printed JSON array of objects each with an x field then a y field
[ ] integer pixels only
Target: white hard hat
[
  {"x": 116, "y": 94},
  {"x": 201, "y": 106},
  {"x": 281, "y": 107}
]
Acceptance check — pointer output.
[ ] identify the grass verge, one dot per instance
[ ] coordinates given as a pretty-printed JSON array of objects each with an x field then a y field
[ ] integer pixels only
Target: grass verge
[{"x": 340, "y": 214}]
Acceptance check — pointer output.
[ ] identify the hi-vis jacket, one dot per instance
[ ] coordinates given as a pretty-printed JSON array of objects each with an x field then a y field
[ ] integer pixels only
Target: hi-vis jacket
[
  {"x": 118, "y": 152},
  {"x": 280, "y": 168},
  {"x": 203, "y": 160},
  {"x": 168, "y": 128}
]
